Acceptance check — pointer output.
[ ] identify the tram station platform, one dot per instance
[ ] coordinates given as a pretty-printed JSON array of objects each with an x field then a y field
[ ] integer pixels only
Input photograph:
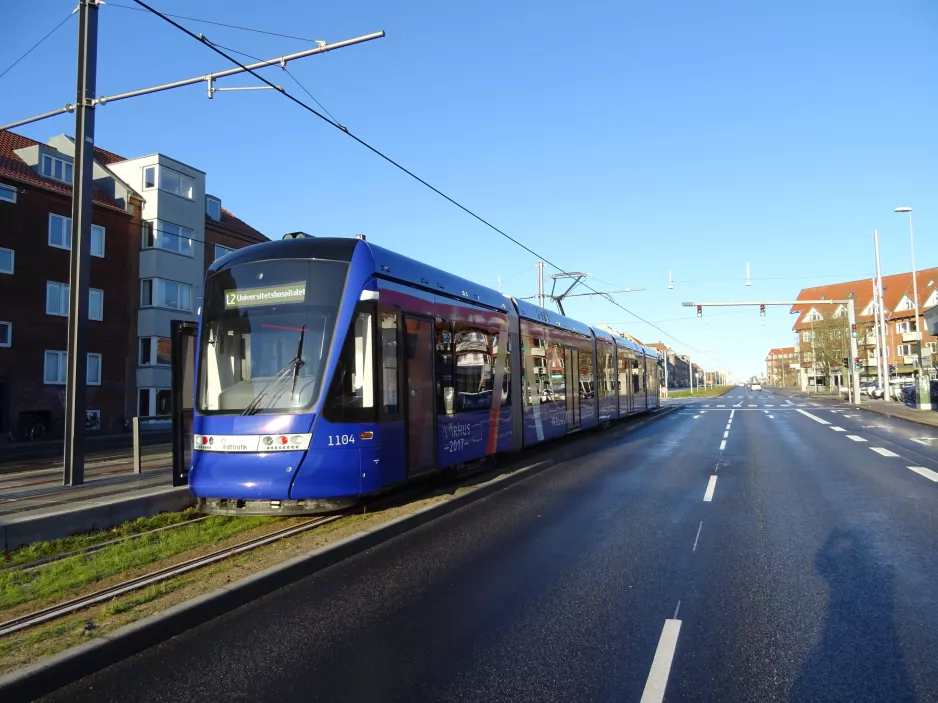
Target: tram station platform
[{"x": 35, "y": 506}]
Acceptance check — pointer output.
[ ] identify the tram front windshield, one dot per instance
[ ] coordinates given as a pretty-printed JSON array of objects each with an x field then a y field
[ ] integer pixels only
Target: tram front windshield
[{"x": 266, "y": 331}]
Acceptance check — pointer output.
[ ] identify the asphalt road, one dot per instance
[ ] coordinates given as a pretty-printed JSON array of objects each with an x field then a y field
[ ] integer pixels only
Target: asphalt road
[{"x": 749, "y": 552}]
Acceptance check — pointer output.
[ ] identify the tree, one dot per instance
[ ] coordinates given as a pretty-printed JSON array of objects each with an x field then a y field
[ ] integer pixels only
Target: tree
[{"x": 829, "y": 347}]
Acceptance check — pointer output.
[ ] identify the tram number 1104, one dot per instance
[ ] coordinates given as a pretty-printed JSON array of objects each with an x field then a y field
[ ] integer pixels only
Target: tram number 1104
[{"x": 337, "y": 440}]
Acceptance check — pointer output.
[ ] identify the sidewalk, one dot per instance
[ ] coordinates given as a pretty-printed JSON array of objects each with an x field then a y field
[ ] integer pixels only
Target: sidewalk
[
  {"x": 895, "y": 410},
  {"x": 35, "y": 506}
]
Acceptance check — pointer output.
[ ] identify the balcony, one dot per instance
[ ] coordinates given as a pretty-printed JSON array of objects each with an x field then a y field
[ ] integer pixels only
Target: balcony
[
  {"x": 868, "y": 341},
  {"x": 868, "y": 362},
  {"x": 911, "y": 336},
  {"x": 910, "y": 359}
]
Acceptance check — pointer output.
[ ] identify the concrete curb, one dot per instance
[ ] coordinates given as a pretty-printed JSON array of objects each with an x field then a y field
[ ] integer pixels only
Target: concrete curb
[
  {"x": 51, "y": 673},
  {"x": 24, "y": 528}
]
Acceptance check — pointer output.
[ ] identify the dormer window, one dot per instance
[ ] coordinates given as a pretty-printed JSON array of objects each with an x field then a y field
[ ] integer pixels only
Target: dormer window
[
  {"x": 55, "y": 168},
  {"x": 213, "y": 207}
]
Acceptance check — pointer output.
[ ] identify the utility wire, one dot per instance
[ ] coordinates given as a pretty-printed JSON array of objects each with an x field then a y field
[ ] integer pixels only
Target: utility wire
[
  {"x": 220, "y": 24},
  {"x": 397, "y": 165},
  {"x": 34, "y": 46}
]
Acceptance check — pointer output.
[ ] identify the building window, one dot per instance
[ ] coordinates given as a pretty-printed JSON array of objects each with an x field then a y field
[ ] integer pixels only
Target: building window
[
  {"x": 213, "y": 207},
  {"x": 57, "y": 301},
  {"x": 6, "y": 334},
  {"x": 807, "y": 336},
  {"x": 55, "y": 368},
  {"x": 904, "y": 350},
  {"x": 153, "y": 402},
  {"x": 155, "y": 351},
  {"x": 7, "y": 193},
  {"x": 6, "y": 261},
  {"x": 160, "y": 293},
  {"x": 60, "y": 235},
  {"x": 158, "y": 234},
  {"x": 221, "y": 251},
  {"x": 95, "y": 304},
  {"x": 905, "y": 326},
  {"x": 169, "y": 180},
  {"x": 56, "y": 168}
]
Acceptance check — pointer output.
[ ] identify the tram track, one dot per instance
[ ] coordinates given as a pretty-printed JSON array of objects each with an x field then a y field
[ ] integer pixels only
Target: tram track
[{"x": 44, "y": 615}]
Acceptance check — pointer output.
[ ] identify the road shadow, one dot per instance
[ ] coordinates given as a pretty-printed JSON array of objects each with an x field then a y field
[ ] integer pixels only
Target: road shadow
[{"x": 858, "y": 657}]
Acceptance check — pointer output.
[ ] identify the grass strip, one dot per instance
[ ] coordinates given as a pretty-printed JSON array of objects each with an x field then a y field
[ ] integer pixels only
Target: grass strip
[
  {"x": 700, "y": 392},
  {"x": 58, "y": 579}
]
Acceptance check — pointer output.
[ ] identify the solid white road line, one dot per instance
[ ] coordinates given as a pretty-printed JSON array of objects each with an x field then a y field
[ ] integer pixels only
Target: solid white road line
[
  {"x": 657, "y": 680},
  {"x": 722, "y": 445},
  {"x": 699, "y": 528},
  {"x": 922, "y": 471},
  {"x": 814, "y": 417},
  {"x": 711, "y": 484},
  {"x": 732, "y": 412},
  {"x": 837, "y": 429},
  {"x": 883, "y": 452},
  {"x": 855, "y": 438}
]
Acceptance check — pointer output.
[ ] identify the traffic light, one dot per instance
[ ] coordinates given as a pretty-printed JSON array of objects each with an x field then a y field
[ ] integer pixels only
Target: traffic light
[
  {"x": 853, "y": 330},
  {"x": 846, "y": 361},
  {"x": 762, "y": 309},
  {"x": 857, "y": 363},
  {"x": 700, "y": 311}
]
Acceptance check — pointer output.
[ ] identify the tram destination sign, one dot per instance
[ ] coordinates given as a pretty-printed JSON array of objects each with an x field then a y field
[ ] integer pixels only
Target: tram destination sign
[{"x": 268, "y": 295}]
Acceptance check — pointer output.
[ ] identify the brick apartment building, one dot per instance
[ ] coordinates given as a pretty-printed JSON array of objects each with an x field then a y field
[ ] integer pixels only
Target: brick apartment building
[
  {"x": 155, "y": 232},
  {"x": 781, "y": 367},
  {"x": 902, "y": 336}
]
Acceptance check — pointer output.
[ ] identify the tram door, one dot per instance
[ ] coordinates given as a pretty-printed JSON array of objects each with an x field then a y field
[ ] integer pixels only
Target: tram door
[
  {"x": 420, "y": 412},
  {"x": 571, "y": 364}
]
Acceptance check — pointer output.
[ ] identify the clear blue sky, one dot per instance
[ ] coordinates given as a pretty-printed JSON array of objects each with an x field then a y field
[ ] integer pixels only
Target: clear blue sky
[{"x": 619, "y": 138}]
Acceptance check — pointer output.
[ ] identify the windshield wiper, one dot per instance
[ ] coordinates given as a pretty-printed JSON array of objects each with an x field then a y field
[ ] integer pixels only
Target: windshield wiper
[{"x": 293, "y": 365}]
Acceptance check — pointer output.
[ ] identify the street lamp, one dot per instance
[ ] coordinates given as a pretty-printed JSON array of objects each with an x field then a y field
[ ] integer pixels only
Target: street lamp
[{"x": 924, "y": 392}]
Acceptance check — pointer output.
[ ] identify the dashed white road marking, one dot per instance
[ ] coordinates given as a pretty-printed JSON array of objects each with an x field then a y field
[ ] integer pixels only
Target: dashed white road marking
[
  {"x": 699, "y": 528},
  {"x": 752, "y": 405},
  {"x": 711, "y": 485},
  {"x": 837, "y": 429},
  {"x": 732, "y": 412},
  {"x": 772, "y": 417},
  {"x": 726, "y": 434},
  {"x": 922, "y": 471},
  {"x": 814, "y": 417},
  {"x": 855, "y": 438},
  {"x": 789, "y": 402},
  {"x": 722, "y": 445},
  {"x": 728, "y": 426},
  {"x": 884, "y": 452},
  {"x": 707, "y": 406},
  {"x": 696, "y": 416},
  {"x": 924, "y": 440},
  {"x": 768, "y": 405},
  {"x": 721, "y": 406},
  {"x": 657, "y": 680}
]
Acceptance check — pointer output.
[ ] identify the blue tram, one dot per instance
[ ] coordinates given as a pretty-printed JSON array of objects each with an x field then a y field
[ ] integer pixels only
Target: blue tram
[{"x": 330, "y": 368}]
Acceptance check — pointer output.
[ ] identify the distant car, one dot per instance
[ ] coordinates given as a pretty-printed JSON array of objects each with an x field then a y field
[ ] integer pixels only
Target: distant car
[{"x": 755, "y": 386}]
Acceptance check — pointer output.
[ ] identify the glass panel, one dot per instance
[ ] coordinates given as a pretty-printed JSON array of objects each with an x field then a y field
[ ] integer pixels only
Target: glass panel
[
  {"x": 255, "y": 318},
  {"x": 6, "y": 260},
  {"x": 51, "y": 370},
  {"x": 68, "y": 172},
  {"x": 143, "y": 402},
  {"x": 95, "y": 304},
  {"x": 389, "y": 362},
  {"x": 146, "y": 292},
  {"x": 213, "y": 208},
  {"x": 94, "y": 369},
  {"x": 46, "y": 165},
  {"x": 145, "y": 350},
  {"x": 67, "y": 227},
  {"x": 57, "y": 171},
  {"x": 221, "y": 251},
  {"x": 4, "y": 334},
  {"x": 163, "y": 350},
  {"x": 170, "y": 181},
  {"x": 55, "y": 231},
  {"x": 163, "y": 401},
  {"x": 97, "y": 240},
  {"x": 351, "y": 394},
  {"x": 170, "y": 296},
  {"x": 185, "y": 186},
  {"x": 149, "y": 177}
]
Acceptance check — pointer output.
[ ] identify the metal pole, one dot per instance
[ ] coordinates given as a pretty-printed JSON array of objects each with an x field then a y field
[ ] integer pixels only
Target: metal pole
[
  {"x": 924, "y": 392},
  {"x": 813, "y": 356},
  {"x": 690, "y": 366},
  {"x": 854, "y": 355},
  {"x": 540, "y": 283},
  {"x": 209, "y": 77},
  {"x": 138, "y": 468},
  {"x": 887, "y": 387},
  {"x": 77, "y": 358},
  {"x": 879, "y": 352}
]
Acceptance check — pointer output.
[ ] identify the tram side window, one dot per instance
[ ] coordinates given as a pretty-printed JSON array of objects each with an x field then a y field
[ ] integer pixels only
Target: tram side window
[
  {"x": 389, "y": 397},
  {"x": 606, "y": 371},
  {"x": 637, "y": 377},
  {"x": 352, "y": 393},
  {"x": 466, "y": 357},
  {"x": 623, "y": 363}
]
